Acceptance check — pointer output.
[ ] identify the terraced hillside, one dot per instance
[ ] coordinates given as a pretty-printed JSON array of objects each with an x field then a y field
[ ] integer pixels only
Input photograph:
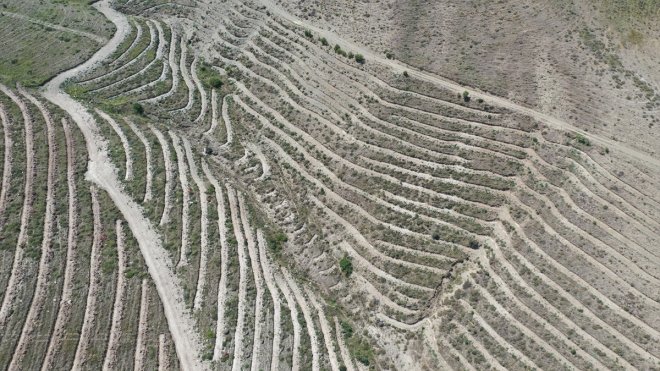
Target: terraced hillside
[{"x": 225, "y": 186}]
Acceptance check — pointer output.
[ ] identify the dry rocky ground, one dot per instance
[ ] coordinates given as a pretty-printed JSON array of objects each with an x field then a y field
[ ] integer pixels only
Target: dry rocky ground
[{"x": 334, "y": 185}]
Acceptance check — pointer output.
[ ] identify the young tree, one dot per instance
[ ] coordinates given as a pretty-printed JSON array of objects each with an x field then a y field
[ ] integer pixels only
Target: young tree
[
  {"x": 138, "y": 109},
  {"x": 346, "y": 265}
]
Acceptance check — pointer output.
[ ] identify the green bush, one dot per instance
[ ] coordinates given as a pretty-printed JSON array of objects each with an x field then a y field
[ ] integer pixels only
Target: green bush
[
  {"x": 346, "y": 265},
  {"x": 308, "y": 34},
  {"x": 466, "y": 96},
  {"x": 215, "y": 82},
  {"x": 582, "y": 139},
  {"x": 276, "y": 241},
  {"x": 138, "y": 109},
  {"x": 324, "y": 41},
  {"x": 346, "y": 329},
  {"x": 359, "y": 58}
]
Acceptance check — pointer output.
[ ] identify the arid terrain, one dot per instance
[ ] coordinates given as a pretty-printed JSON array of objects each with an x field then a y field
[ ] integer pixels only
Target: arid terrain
[{"x": 330, "y": 185}]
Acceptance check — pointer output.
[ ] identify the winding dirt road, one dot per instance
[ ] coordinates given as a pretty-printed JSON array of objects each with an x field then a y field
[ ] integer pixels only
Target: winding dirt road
[{"x": 104, "y": 174}]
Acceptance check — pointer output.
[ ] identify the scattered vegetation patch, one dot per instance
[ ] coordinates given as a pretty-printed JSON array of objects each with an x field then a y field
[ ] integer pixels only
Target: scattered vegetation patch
[
  {"x": 138, "y": 109},
  {"x": 209, "y": 77},
  {"x": 346, "y": 265},
  {"x": 276, "y": 241},
  {"x": 581, "y": 139}
]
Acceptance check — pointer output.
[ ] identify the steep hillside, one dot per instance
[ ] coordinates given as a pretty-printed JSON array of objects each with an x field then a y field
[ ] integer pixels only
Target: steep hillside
[{"x": 234, "y": 185}]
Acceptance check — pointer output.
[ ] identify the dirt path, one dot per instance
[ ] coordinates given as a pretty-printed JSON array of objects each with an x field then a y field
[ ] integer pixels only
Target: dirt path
[
  {"x": 124, "y": 142},
  {"x": 258, "y": 283},
  {"x": 325, "y": 329},
  {"x": 163, "y": 357},
  {"x": 185, "y": 207},
  {"x": 45, "y": 268},
  {"x": 143, "y": 323},
  {"x": 200, "y": 87},
  {"x": 343, "y": 349},
  {"x": 110, "y": 361},
  {"x": 147, "y": 151},
  {"x": 169, "y": 175},
  {"x": 7, "y": 168},
  {"x": 224, "y": 266},
  {"x": 185, "y": 74},
  {"x": 242, "y": 281},
  {"x": 309, "y": 321},
  {"x": 94, "y": 266},
  {"x": 297, "y": 331},
  {"x": 204, "y": 237},
  {"x": 97, "y": 38},
  {"x": 277, "y": 311},
  {"x": 102, "y": 172},
  {"x": 225, "y": 118},
  {"x": 214, "y": 112},
  {"x": 16, "y": 275},
  {"x": 65, "y": 307}
]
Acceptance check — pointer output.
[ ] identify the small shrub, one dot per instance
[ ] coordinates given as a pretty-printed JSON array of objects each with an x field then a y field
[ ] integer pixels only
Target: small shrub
[
  {"x": 346, "y": 265},
  {"x": 337, "y": 48},
  {"x": 389, "y": 55},
  {"x": 359, "y": 58},
  {"x": 582, "y": 139},
  {"x": 308, "y": 34},
  {"x": 466, "y": 96},
  {"x": 346, "y": 329},
  {"x": 324, "y": 41},
  {"x": 215, "y": 82},
  {"x": 473, "y": 244},
  {"x": 276, "y": 241},
  {"x": 138, "y": 109},
  {"x": 405, "y": 74}
]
